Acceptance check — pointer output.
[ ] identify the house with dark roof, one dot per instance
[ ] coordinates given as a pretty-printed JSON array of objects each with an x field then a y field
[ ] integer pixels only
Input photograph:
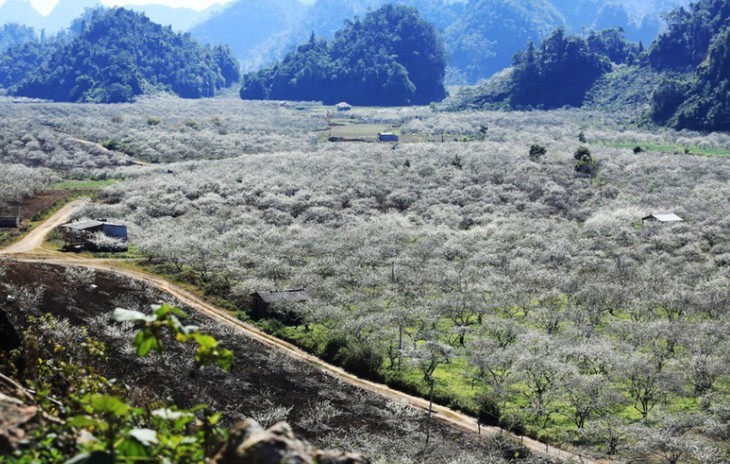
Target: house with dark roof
[
  {"x": 387, "y": 137},
  {"x": 9, "y": 222},
  {"x": 80, "y": 234},
  {"x": 279, "y": 304}
]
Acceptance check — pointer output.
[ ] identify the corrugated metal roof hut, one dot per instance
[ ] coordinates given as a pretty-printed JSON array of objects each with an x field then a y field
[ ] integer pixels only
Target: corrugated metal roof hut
[
  {"x": 666, "y": 217},
  {"x": 387, "y": 137},
  {"x": 274, "y": 304},
  {"x": 80, "y": 233},
  {"x": 343, "y": 106}
]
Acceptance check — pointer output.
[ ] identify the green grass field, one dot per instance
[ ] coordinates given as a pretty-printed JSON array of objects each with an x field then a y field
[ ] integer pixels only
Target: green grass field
[
  {"x": 662, "y": 148},
  {"x": 85, "y": 184}
]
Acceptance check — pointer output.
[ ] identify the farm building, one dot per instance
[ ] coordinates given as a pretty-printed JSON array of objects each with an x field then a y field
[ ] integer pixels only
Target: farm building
[
  {"x": 80, "y": 234},
  {"x": 670, "y": 217},
  {"x": 274, "y": 303},
  {"x": 343, "y": 106},
  {"x": 387, "y": 137},
  {"x": 9, "y": 222}
]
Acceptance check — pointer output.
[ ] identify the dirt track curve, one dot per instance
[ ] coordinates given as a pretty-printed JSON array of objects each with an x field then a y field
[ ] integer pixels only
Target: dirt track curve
[{"x": 27, "y": 250}]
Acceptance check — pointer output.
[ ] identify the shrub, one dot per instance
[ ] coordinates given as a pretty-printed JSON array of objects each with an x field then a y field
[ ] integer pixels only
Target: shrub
[
  {"x": 537, "y": 152},
  {"x": 488, "y": 412},
  {"x": 582, "y": 153},
  {"x": 153, "y": 121},
  {"x": 356, "y": 357}
]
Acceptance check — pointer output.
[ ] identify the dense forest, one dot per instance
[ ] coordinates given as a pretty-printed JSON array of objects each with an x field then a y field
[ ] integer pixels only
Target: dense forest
[
  {"x": 117, "y": 55},
  {"x": 682, "y": 80},
  {"x": 480, "y": 36},
  {"x": 391, "y": 57},
  {"x": 696, "y": 41}
]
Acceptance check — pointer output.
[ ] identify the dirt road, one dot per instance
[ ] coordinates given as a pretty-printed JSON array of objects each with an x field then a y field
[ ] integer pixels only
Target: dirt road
[
  {"x": 23, "y": 252},
  {"x": 37, "y": 236}
]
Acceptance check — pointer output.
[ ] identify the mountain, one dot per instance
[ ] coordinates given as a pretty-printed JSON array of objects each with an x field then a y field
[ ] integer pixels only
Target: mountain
[
  {"x": 698, "y": 41},
  {"x": 20, "y": 12},
  {"x": 255, "y": 30},
  {"x": 119, "y": 54},
  {"x": 480, "y": 36},
  {"x": 681, "y": 81},
  {"x": 483, "y": 39},
  {"x": 390, "y": 57},
  {"x": 180, "y": 19},
  {"x": 65, "y": 12}
]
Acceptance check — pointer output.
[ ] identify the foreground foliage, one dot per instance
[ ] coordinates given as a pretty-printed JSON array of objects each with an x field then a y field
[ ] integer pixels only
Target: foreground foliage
[{"x": 61, "y": 367}]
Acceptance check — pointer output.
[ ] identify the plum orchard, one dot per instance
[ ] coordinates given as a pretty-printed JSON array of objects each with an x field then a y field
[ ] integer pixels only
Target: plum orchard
[
  {"x": 18, "y": 182},
  {"x": 552, "y": 297}
]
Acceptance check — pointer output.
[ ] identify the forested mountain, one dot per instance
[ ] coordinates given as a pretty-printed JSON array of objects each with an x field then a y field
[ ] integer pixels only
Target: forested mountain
[
  {"x": 480, "y": 36},
  {"x": 180, "y": 19},
  {"x": 698, "y": 40},
  {"x": 390, "y": 57},
  {"x": 117, "y": 55},
  {"x": 558, "y": 72},
  {"x": 65, "y": 11},
  {"x": 254, "y": 28},
  {"x": 483, "y": 39},
  {"x": 684, "y": 76}
]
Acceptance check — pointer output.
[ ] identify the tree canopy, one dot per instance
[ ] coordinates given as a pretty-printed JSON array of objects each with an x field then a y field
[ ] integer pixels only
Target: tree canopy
[
  {"x": 697, "y": 39},
  {"x": 559, "y": 73},
  {"x": 118, "y": 55},
  {"x": 390, "y": 57}
]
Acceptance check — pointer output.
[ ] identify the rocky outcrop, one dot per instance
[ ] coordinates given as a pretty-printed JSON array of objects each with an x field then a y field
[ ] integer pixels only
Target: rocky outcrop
[{"x": 249, "y": 443}]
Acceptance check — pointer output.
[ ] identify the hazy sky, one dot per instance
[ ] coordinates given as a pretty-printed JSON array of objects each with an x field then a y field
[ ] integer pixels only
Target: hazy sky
[{"x": 45, "y": 6}]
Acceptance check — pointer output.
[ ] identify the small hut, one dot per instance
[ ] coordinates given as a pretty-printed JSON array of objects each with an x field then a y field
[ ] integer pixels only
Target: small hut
[
  {"x": 343, "y": 106},
  {"x": 9, "y": 222},
  {"x": 274, "y": 304},
  {"x": 387, "y": 137},
  {"x": 666, "y": 217},
  {"x": 80, "y": 234}
]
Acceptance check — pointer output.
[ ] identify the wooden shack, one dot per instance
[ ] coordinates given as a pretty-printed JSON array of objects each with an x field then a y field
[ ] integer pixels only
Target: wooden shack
[
  {"x": 79, "y": 234},
  {"x": 278, "y": 304},
  {"x": 387, "y": 137},
  {"x": 9, "y": 222}
]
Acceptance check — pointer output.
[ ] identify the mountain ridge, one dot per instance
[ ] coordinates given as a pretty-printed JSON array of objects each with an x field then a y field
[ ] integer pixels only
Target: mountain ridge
[{"x": 475, "y": 52}]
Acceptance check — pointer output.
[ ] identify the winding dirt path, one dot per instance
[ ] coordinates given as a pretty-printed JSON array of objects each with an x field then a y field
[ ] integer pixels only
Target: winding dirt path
[
  {"x": 37, "y": 236},
  {"x": 27, "y": 251}
]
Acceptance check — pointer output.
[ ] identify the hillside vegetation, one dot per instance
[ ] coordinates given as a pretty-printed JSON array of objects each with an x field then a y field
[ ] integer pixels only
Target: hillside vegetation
[
  {"x": 391, "y": 57},
  {"x": 532, "y": 285},
  {"x": 697, "y": 41},
  {"x": 680, "y": 81},
  {"x": 116, "y": 56},
  {"x": 480, "y": 35}
]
